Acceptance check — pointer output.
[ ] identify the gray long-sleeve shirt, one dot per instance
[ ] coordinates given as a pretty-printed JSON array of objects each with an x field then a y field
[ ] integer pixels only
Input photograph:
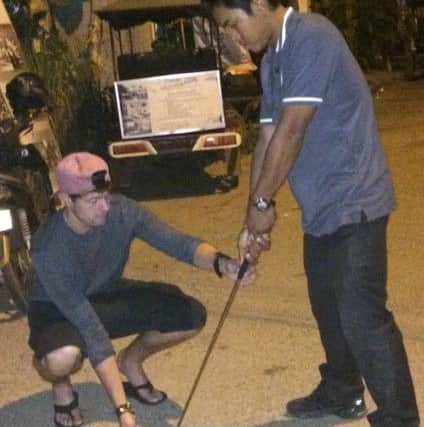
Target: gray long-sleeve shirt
[{"x": 71, "y": 267}]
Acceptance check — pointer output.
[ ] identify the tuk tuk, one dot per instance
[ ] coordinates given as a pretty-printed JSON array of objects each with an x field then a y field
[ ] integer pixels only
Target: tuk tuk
[{"x": 169, "y": 99}]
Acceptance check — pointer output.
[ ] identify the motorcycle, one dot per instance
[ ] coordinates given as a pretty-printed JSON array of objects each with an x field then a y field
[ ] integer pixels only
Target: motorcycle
[
  {"x": 25, "y": 202},
  {"x": 15, "y": 238}
]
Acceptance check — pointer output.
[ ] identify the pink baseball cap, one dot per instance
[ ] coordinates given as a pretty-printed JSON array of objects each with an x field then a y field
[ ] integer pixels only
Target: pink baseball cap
[{"x": 82, "y": 172}]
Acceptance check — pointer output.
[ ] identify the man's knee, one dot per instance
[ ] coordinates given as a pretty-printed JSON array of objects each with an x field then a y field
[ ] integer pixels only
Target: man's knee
[
  {"x": 58, "y": 364},
  {"x": 199, "y": 314},
  {"x": 369, "y": 327}
]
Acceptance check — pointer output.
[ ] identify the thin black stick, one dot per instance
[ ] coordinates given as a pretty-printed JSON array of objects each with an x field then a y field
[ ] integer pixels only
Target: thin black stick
[{"x": 241, "y": 272}]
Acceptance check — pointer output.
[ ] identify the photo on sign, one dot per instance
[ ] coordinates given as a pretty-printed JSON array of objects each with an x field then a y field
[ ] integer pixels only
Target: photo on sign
[{"x": 135, "y": 111}]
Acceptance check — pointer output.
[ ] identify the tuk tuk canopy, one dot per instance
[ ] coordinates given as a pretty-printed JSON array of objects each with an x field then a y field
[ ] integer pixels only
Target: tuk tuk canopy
[{"x": 123, "y": 14}]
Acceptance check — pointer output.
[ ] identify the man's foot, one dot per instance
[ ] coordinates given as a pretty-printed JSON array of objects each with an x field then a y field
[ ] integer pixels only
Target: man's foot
[
  {"x": 67, "y": 414},
  {"x": 139, "y": 386},
  {"x": 318, "y": 404},
  {"x": 136, "y": 392}
]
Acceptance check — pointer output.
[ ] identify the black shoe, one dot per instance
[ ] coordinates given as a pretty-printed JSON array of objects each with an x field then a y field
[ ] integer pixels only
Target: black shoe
[{"x": 318, "y": 404}]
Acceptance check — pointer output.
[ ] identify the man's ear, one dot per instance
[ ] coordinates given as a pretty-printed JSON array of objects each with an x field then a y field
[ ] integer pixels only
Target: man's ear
[{"x": 64, "y": 199}]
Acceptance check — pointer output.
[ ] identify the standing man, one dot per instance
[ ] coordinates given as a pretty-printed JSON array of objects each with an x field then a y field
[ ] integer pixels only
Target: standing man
[
  {"x": 80, "y": 301},
  {"x": 318, "y": 131}
]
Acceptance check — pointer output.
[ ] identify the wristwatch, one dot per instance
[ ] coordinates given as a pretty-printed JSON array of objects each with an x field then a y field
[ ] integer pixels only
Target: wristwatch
[
  {"x": 125, "y": 407},
  {"x": 262, "y": 204}
]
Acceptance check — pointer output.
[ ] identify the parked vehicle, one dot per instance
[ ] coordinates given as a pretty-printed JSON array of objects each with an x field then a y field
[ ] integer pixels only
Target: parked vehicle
[
  {"x": 25, "y": 199},
  {"x": 20, "y": 215},
  {"x": 17, "y": 223},
  {"x": 171, "y": 100}
]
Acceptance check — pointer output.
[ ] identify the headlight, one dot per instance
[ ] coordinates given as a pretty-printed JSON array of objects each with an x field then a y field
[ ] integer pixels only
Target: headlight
[{"x": 5, "y": 220}]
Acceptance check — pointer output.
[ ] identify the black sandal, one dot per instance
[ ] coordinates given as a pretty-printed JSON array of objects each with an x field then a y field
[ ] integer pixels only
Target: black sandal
[
  {"x": 132, "y": 391},
  {"x": 67, "y": 409}
]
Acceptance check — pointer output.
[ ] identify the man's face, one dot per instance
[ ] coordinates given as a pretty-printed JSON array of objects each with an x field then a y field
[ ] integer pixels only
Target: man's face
[
  {"x": 91, "y": 209},
  {"x": 252, "y": 31}
]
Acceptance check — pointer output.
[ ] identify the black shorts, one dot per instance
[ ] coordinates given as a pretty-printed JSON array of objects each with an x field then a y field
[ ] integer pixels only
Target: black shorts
[{"x": 133, "y": 309}]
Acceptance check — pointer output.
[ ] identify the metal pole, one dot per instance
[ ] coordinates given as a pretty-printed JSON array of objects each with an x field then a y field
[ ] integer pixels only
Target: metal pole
[
  {"x": 131, "y": 40},
  {"x": 183, "y": 38},
  {"x": 242, "y": 271},
  {"x": 112, "y": 46}
]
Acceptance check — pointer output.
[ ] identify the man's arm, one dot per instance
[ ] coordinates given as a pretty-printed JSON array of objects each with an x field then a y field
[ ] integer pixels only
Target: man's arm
[
  {"x": 63, "y": 282},
  {"x": 246, "y": 239},
  {"x": 265, "y": 135},
  {"x": 184, "y": 247},
  {"x": 275, "y": 159},
  {"x": 108, "y": 373},
  {"x": 59, "y": 285}
]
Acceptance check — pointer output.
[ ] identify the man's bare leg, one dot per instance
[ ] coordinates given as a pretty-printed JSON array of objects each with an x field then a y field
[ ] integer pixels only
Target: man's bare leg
[
  {"x": 131, "y": 358},
  {"x": 56, "y": 368}
]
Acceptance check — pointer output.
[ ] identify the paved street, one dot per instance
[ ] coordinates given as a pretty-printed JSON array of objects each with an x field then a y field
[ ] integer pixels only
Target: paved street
[{"x": 269, "y": 349}]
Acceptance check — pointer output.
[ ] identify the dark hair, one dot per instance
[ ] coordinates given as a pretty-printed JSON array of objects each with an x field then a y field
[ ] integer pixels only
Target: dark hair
[{"x": 245, "y": 5}]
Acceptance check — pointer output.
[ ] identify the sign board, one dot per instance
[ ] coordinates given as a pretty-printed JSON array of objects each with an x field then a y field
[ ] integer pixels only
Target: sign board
[{"x": 170, "y": 104}]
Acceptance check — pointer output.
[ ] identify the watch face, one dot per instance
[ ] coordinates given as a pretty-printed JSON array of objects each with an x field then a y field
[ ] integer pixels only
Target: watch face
[{"x": 261, "y": 204}]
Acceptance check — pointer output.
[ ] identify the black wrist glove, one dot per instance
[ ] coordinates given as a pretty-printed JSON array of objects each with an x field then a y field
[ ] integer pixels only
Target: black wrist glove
[{"x": 216, "y": 262}]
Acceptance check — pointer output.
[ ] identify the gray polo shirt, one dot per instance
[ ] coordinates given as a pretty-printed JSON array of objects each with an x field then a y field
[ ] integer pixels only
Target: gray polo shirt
[
  {"x": 340, "y": 171},
  {"x": 71, "y": 267}
]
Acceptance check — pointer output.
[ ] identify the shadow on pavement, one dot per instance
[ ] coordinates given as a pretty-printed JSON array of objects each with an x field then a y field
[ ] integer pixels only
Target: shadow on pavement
[
  {"x": 321, "y": 422},
  {"x": 166, "y": 179},
  {"x": 170, "y": 177},
  {"x": 36, "y": 410}
]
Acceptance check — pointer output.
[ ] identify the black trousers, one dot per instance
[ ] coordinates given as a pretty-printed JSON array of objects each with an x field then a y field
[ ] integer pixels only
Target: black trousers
[{"x": 347, "y": 273}]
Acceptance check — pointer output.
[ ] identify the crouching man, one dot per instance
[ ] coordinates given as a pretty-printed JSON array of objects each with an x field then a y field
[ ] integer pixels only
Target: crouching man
[{"x": 80, "y": 301}]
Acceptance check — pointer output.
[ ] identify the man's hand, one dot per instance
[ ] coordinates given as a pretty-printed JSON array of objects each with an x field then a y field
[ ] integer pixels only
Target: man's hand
[
  {"x": 127, "y": 419},
  {"x": 260, "y": 222},
  {"x": 251, "y": 246},
  {"x": 230, "y": 268}
]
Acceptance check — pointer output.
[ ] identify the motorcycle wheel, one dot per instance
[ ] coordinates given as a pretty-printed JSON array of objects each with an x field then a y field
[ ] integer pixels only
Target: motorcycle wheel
[{"x": 18, "y": 277}]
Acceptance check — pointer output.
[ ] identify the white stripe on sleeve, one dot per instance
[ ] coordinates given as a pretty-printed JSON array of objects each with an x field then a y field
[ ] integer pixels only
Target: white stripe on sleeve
[
  {"x": 265, "y": 120},
  {"x": 302, "y": 99}
]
